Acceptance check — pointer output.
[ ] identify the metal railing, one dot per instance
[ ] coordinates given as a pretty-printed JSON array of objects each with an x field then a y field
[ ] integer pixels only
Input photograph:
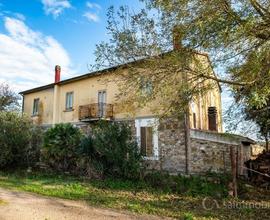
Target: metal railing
[{"x": 95, "y": 111}]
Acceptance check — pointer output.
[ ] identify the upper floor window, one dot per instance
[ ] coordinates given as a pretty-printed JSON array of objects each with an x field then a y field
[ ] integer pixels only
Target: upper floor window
[
  {"x": 194, "y": 120},
  {"x": 212, "y": 118},
  {"x": 36, "y": 106},
  {"x": 146, "y": 86},
  {"x": 69, "y": 100}
]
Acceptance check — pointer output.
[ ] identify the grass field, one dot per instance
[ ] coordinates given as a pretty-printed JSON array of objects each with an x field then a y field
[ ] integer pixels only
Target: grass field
[{"x": 139, "y": 197}]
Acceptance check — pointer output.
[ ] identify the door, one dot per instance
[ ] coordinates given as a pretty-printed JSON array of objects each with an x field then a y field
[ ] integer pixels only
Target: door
[{"x": 102, "y": 104}]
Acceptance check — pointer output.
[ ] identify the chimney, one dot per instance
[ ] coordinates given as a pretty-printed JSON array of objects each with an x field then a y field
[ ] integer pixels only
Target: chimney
[
  {"x": 177, "y": 37},
  {"x": 57, "y": 73}
]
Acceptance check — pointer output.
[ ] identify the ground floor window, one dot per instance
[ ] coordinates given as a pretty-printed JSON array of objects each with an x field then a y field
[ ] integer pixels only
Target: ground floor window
[{"x": 147, "y": 135}]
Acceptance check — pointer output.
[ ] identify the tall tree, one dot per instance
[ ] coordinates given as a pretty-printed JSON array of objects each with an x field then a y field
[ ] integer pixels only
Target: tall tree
[
  {"x": 160, "y": 71},
  {"x": 8, "y": 98},
  {"x": 235, "y": 34}
]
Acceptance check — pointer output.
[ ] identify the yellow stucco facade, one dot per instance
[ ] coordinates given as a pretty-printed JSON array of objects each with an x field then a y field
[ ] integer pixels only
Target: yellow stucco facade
[{"x": 85, "y": 90}]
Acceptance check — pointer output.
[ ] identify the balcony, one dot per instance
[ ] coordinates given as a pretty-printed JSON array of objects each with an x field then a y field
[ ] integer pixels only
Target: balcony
[{"x": 95, "y": 111}]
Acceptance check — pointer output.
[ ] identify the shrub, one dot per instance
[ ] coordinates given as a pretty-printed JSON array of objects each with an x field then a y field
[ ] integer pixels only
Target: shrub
[
  {"x": 60, "y": 147},
  {"x": 112, "y": 150},
  {"x": 17, "y": 145}
]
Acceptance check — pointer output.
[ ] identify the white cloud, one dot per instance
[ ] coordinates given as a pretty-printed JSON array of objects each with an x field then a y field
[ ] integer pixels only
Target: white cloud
[
  {"x": 28, "y": 58},
  {"x": 55, "y": 7},
  {"x": 91, "y": 16},
  {"x": 93, "y": 5}
]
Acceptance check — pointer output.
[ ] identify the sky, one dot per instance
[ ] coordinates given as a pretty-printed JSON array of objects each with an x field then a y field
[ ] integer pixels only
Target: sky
[{"x": 36, "y": 35}]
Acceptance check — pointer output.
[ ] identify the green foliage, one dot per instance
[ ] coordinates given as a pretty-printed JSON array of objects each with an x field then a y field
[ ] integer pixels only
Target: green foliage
[
  {"x": 134, "y": 196},
  {"x": 210, "y": 185},
  {"x": 19, "y": 141},
  {"x": 235, "y": 34},
  {"x": 8, "y": 98},
  {"x": 60, "y": 146},
  {"x": 188, "y": 216},
  {"x": 112, "y": 150}
]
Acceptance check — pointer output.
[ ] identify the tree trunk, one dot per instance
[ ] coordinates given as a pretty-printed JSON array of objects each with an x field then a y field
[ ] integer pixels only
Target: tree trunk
[{"x": 266, "y": 143}]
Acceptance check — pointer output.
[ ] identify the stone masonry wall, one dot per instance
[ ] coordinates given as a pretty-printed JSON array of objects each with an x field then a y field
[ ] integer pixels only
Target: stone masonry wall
[
  {"x": 209, "y": 156},
  {"x": 209, "y": 152}
]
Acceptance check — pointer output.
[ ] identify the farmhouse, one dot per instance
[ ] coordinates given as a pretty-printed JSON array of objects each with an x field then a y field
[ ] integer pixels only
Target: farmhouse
[{"x": 166, "y": 144}]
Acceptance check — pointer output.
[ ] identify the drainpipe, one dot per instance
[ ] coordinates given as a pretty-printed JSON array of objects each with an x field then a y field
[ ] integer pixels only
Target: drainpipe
[
  {"x": 177, "y": 45},
  {"x": 22, "y": 103},
  {"x": 187, "y": 141}
]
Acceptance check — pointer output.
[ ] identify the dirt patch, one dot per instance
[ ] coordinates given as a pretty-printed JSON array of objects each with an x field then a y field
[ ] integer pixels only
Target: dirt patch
[{"x": 27, "y": 206}]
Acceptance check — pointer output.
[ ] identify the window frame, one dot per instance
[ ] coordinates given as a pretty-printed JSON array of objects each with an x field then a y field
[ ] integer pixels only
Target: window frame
[
  {"x": 212, "y": 116},
  {"x": 35, "y": 110},
  {"x": 148, "y": 122},
  {"x": 70, "y": 107},
  {"x": 146, "y": 86}
]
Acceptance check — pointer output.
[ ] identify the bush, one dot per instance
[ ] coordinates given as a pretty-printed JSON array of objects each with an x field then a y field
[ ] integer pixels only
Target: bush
[
  {"x": 60, "y": 147},
  {"x": 17, "y": 141},
  {"x": 112, "y": 150}
]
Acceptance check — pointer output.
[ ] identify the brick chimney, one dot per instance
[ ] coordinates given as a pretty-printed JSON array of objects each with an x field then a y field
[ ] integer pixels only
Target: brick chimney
[
  {"x": 177, "y": 37},
  {"x": 57, "y": 73}
]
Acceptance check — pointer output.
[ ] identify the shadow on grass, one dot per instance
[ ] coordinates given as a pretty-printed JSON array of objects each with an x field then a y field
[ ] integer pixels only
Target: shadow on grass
[{"x": 136, "y": 197}]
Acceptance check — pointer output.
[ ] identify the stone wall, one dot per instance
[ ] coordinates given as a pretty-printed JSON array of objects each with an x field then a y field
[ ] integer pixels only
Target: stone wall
[
  {"x": 209, "y": 156},
  {"x": 171, "y": 139},
  {"x": 210, "y": 151}
]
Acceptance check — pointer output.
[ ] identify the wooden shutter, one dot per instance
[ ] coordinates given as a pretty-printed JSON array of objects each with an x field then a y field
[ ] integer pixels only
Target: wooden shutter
[
  {"x": 149, "y": 141},
  {"x": 212, "y": 118},
  {"x": 143, "y": 141},
  {"x": 194, "y": 120}
]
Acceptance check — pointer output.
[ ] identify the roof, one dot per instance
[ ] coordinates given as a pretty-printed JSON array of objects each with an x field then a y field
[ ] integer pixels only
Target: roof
[
  {"x": 221, "y": 137},
  {"x": 99, "y": 72},
  {"x": 62, "y": 82}
]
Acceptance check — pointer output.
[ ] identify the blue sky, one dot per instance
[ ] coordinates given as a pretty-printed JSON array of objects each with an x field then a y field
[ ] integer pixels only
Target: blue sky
[{"x": 35, "y": 35}]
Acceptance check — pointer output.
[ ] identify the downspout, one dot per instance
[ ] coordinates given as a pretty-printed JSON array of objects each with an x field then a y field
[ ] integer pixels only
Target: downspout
[
  {"x": 22, "y": 103},
  {"x": 177, "y": 45},
  {"x": 187, "y": 141}
]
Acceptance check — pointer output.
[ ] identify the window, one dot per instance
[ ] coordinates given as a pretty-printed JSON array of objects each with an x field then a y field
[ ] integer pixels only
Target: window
[
  {"x": 212, "y": 118},
  {"x": 194, "y": 120},
  {"x": 147, "y": 135},
  {"x": 147, "y": 141},
  {"x": 193, "y": 114},
  {"x": 146, "y": 87},
  {"x": 69, "y": 101},
  {"x": 102, "y": 103},
  {"x": 35, "y": 106}
]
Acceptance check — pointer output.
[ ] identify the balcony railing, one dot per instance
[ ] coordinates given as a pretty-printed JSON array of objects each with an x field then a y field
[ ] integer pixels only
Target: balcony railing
[{"x": 95, "y": 111}]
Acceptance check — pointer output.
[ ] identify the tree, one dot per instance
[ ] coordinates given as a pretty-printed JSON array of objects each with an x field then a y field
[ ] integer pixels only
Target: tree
[
  {"x": 8, "y": 98},
  {"x": 235, "y": 34},
  {"x": 154, "y": 70},
  {"x": 261, "y": 116},
  {"x": 19, "y": 141},
  {"x": 60, "y": 146}
]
